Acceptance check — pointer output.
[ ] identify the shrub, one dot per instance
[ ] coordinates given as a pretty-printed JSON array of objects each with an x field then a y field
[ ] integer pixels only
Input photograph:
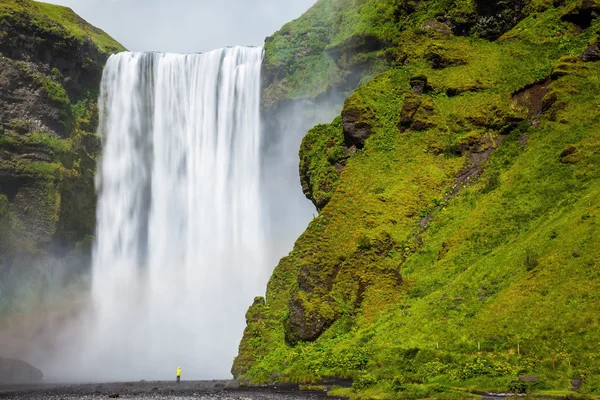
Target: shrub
[
  {"x": 363, "y": 381},
  {"x": 517, "y": 386},
  {"x": 531, "y": 259},
  {"x": 364, "y": 243}
]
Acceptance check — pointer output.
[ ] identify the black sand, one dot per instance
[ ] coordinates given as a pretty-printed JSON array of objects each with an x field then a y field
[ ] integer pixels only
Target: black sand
[{"x": 209, "y": 390}]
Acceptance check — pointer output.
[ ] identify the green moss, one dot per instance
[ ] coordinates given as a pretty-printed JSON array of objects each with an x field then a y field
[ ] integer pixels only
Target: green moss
[
  {"x": 8, "y": 141},
  {"x": 444, "y": 254},
  {"x": 58, "y": 20},
  {"x": 322, "y": 157},
  {"x": 55, "y": 91},
  {"x": 40, "y": 169},
  {"x": 318, "y": 51},
  {"x": 5, "y": 227}
]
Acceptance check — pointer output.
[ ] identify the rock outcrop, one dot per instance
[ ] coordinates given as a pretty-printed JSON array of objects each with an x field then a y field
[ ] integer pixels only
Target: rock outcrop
[{"x": 50, "y": 70}]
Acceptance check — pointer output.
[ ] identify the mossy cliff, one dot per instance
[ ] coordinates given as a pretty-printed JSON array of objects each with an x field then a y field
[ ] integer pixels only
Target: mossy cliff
[
  {"x": 50, "y": 70},
  {"x": 457, "y": 247}
]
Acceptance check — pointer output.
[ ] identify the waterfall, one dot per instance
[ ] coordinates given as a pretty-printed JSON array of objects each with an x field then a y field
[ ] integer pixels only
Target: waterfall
[{"x": 181, "y": 247}]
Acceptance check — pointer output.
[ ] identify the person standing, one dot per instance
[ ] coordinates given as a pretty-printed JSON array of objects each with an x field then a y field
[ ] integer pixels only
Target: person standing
[{"x": 178, "y": 374}]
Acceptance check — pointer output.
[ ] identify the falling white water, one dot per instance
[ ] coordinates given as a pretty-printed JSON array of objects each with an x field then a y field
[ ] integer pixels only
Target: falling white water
[{"x": 180, "y": 249}]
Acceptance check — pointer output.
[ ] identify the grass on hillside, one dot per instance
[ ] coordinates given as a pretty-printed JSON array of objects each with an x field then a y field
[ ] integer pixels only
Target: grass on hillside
[
  {"x": 58, "y": 20},
  {"x": 498, "y": 279}
]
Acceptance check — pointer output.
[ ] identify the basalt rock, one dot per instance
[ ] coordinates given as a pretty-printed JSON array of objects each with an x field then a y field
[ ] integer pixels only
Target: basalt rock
[
  {"x": 354, "y": 122},
  {"x": 582, "y": 13},
  {"x": 592, "y": 53},
  {"x": 436, "y": 27},
  {"x": 49, "y": 80},
  {"x": 490, "y": 19},
  {"x": 307, "y": 321},
  {"x": 419, "y": 84},
  {"x": 497, "y": 17}
]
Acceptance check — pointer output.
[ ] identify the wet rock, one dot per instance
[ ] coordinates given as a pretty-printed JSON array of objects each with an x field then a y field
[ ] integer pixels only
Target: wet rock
[
  {"x": 532, "y": 98},
  {"x": 306, "y": 322},
  {"x": 16, "y": 371},
  {"x": 494, "y": 18},
  {"x": 356, "y": 128},
  {"x": 490, "y": 19},
  {"x": 419, "y": 84},
  {"x": 592, "y": 53},
  {"x": 25, "y": 106},
  {"x": 437, "y": 27}
]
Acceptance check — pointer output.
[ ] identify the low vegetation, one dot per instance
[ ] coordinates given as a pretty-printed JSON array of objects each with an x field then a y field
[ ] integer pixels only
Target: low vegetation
[
  {"x": 55, "y": 20},
  {"x": 457, "y": 246}
]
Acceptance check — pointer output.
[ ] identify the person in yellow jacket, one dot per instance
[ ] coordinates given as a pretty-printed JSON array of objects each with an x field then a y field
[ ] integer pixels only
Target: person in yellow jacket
[{"x": 178, "y": 374}]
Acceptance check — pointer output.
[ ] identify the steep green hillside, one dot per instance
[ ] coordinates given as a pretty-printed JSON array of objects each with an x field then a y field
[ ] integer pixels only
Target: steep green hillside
[
  {"x": 332, "y": 46},
  {"x": 50, "y": 69},
  {"x": 458, "y": 242},
  {"x": 56, "y": 20}
]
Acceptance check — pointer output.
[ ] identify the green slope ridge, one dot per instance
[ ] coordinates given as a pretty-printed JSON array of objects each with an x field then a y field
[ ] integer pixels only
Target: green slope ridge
[
  {"x": 58, "y": 20},
  {"x": 457, "y": 245}
]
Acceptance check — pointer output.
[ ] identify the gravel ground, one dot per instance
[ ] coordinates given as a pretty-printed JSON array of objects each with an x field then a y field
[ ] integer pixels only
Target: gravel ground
[{"x": 207, "y": 390}]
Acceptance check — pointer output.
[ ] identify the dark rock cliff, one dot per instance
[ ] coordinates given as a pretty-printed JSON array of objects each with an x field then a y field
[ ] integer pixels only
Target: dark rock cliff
[{"x": 50, "y": 70}]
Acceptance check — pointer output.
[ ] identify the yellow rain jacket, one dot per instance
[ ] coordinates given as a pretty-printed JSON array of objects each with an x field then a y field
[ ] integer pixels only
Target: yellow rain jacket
[{"x": 178, "y": 371}]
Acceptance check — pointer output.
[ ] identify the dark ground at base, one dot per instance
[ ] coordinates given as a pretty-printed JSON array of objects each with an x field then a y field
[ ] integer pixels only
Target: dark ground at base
[{"x": 209, "y": 390}]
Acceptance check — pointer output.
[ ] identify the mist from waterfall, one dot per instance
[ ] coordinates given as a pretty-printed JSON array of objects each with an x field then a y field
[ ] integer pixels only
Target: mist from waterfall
[
  {"x": 198, "y": 199},
  {"x": 181, "y": 248}
]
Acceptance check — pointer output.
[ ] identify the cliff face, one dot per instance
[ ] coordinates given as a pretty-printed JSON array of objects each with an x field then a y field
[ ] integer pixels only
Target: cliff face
[
  {"x": 50, "y": 70},
  {"x": 457, "y": 242}
]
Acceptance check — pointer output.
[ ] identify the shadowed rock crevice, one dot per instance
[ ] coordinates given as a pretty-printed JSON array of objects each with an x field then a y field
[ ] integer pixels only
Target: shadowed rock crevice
[
  {"x": 582, "y": 13},
  {"x": 532, "y": 97}
]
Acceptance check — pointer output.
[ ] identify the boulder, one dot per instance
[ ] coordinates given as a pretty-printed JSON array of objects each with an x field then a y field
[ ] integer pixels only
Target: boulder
[
  {"x": 592, "y": 53},
  {"x": 16, "y": 371},
  {"x": 419, "y": 84},
  {"x": 355, "y": 123},
  {"x": 307, "y": 320},
  {"x": 436, "y": 27},
  {"x": 494, "y": 18}
]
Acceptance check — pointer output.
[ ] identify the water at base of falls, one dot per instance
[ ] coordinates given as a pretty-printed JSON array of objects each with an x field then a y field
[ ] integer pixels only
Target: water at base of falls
[{"x": 180, "y": 248}]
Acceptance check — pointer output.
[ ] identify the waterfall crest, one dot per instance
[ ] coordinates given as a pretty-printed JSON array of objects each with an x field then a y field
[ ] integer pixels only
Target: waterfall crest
[{"x": 180, "y": 249}]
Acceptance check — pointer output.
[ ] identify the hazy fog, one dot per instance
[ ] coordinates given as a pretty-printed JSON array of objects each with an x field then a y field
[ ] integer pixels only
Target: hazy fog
[{"x": 187, "y": 26}]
